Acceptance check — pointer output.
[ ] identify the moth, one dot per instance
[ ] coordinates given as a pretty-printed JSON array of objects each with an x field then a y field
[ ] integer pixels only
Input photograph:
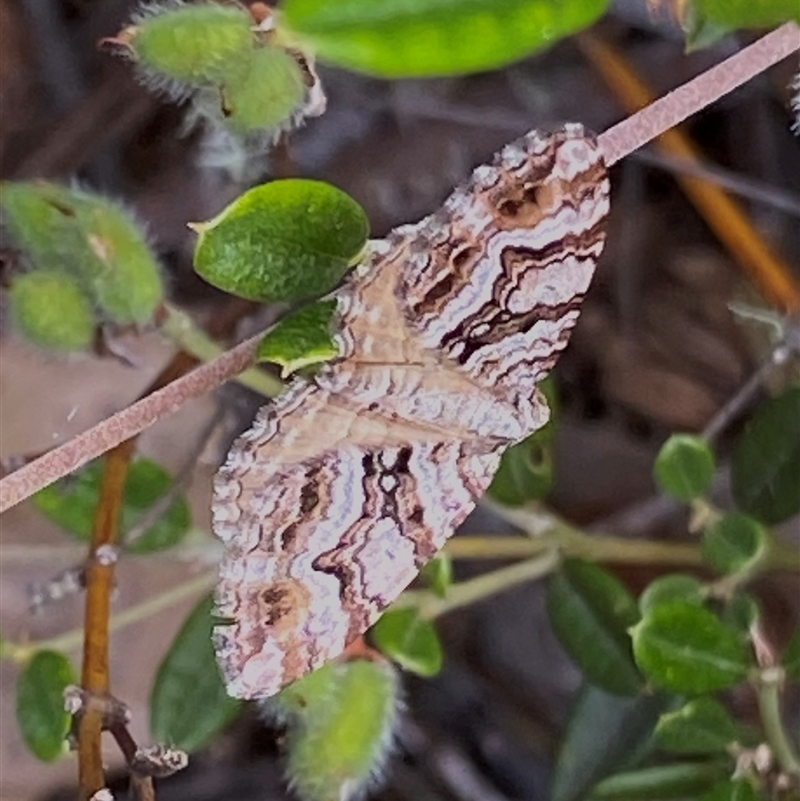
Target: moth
[{"x": 347, "y": 484}]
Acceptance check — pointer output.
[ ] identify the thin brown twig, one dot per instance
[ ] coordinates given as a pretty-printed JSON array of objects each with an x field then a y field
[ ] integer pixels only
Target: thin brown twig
[
  {"x": 99, "y": 584},
  {"x": 99, "y": 577},
  {"x": 618, "y": 141}
]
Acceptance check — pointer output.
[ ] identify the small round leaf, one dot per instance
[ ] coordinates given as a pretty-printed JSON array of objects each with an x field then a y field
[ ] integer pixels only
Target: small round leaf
[
  {"x": 301, "y": 339},
  {"x": 703, "y": 726},
  {"x": 591, "y": 611},
  {"x": 287, "y": 240},
  {"x": 765, "y": 473},
  {"x": 735, "y": 543},
  {"x": 687, "y": 649},
  {"x": 675, "y": 586},
  {"x": 684, "y": 467},
  {"x": 41, "y": 716},
  {"x": 188, "y": 703},
  {"x": 409, "y": 640}
]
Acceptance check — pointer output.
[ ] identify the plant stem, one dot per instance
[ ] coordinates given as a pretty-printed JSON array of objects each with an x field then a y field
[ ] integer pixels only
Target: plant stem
[
  {"x": 769, "y": 707},
  {"x": 70, "y": 640},
  {"x": 183, "y": 331},
  {"x": 99, "y": 572},
  {"x": 468, "y": 592}
]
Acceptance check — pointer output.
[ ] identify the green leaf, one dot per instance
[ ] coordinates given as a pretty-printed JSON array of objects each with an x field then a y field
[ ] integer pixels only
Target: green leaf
[
  {"x": 195, "y": 44},
  {"x": 438, "y": 574},
  {"x": 680, "y": 780},
  {"x": 406, "y": 38},
  {"x": 301, "y": 339},
  {"x": 89, "y": 237},
  {"x": 687, "y": 649},
  {"x": 188, "y": 702},
  {"x": 265, "y": 97},
  {"x": 735, "y": 543},
  {"x": 684, "y": 467},
  {"x": 604, "y": 731},
  {"x": 52, "y": 311},
  {"x": 340, "y": 723},
  {"x": 749, "y": 14},
  {"x": 409, "y": 640},
  {"x": 765, "y": 474},
  {"x": 526, "y": 469},
  {"x": 116, "y": 265},
  {"x": 791, "y": 658},
  {"x": 591, "y": 611},
  {"x": 72, "y": 502},
  {"x": 742, "y": 612},
  {"x": 38, "y": 220},
  {"x": 41, "y": 716},
  {"x": 703, "y": 726},
  {"x": 700, "y": 32},
  {"x": 675, "y": 586},
  {"x": 287, "y": 240},
  {"x": 736, "y": 790}
]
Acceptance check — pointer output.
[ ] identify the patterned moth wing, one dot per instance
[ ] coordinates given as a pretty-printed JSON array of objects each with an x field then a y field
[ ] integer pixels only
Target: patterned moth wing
[
  {"x": 515, "y": 251},
  {"x": 346, "y": 485}
]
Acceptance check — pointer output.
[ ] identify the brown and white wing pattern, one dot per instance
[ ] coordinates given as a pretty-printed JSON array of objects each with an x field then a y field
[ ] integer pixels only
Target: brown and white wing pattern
[
  {"x": 514, "y": 253},
  {"x": 329, "y": 541},
  {"x": 346, "y": 485}
]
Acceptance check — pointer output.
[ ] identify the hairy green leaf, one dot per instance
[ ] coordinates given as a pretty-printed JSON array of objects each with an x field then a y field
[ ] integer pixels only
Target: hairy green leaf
[
  {"x": 91, "y": 238},
  {"x": 52, "y": 311},
  {"x": 591, "y": 611},
  {"x": 405, "y": 38},
  {"x": 40, "y": 222},
  {"x": 195, "y": 44},
  {"x": 287, "y": 240},
  {"x": 188, "y": 702},
  {"x": 267, "y": 95},
  {"x": 340, "y": 721}
]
